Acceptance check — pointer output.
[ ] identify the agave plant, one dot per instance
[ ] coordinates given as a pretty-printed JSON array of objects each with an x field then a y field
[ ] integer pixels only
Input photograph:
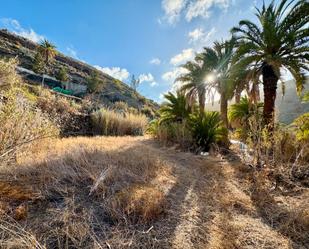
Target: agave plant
[
  {"x": 175, "y": 109},
  {"x": 279, "y": 40},
  {"x": 207, "y": 129}
]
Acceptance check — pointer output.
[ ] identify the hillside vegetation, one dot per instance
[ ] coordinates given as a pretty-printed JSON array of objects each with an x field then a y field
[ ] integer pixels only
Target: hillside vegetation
[{"x": 75, "y": 173}]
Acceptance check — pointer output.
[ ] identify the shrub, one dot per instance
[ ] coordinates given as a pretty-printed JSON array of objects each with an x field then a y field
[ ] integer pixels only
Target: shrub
[
  {"x": 302, "y": 127},
  {"x": 21, "y": 124},
  {"x": 172, "y": 133},
  {"x": 146, "y": 110},
  {"x": 207, "y": 129},
  {"x": 175, "y": 109},
  {"x": 62, "y": 75},
  {"x": 94, "y": 82},
  {"x": 8, "y": 75},
  {"x": 239, "y": 114},
  {"x": 108, "y": 122},
  {"x": 120, "y": 106}
]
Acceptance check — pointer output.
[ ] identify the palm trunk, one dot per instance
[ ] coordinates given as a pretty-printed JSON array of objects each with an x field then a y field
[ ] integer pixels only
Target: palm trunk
[
  {"x": 238, "y": 91},
  {"x": 270, "y": 87},
  {"x": 201, "y": 101},
  {"x": 223, "y": 110}
]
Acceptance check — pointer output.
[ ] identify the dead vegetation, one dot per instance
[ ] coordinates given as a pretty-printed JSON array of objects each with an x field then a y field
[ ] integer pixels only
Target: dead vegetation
[{"x": 125, "y": 192}]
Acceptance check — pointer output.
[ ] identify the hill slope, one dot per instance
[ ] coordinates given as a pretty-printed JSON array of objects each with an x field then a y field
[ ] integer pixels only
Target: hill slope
[{"x": 112, "y": 90}]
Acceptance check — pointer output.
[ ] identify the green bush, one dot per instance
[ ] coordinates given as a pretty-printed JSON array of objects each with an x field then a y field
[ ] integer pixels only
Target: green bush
[
  {"x": 302, "y": 127},
  {"x": 207, "y": 129}
]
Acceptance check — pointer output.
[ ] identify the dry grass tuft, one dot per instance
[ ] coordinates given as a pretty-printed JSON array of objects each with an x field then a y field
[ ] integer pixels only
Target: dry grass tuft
[
  {"x": 137, "y": 204},
  {"x": 109, "y": 122}
]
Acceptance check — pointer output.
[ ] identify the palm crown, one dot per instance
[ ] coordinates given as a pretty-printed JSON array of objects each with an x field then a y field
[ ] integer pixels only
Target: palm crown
[
  {"x": 48, "y": 50},
  {"x": 280, "y": 40}
]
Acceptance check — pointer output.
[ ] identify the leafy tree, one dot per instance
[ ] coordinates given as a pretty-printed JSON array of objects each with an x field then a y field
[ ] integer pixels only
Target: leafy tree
[
  {"x": 38, "y": 65},
  {"x": 134, "y": 83},
  {"x": 62, "y": 75},
  {"x": 47, "y": 50},
  {"x": 94, "y": 82},
  {"x": 280, "y": 39},
  {"x": 175, "y": 109}
]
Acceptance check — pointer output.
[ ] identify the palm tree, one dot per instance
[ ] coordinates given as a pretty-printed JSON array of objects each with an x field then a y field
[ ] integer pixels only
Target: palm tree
[
  {"x": 279, "y": 40},
  {"x": 216, "y": 68},
  {"x": 47, "y": 50},
  {"x": 209, "y": 71},
  {"x": 175, "y": 109},
  {"x": 193, "y": 83}
]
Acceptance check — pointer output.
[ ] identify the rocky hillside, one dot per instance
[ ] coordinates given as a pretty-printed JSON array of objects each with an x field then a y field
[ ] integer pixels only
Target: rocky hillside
[{"x": 112, "y": 90}]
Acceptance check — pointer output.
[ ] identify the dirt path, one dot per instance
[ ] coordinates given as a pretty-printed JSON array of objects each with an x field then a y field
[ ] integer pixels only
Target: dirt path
[{"x": 211, "y": 205}]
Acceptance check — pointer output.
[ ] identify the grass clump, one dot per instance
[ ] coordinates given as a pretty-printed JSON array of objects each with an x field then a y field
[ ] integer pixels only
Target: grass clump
[{"x": 109, "y": 122}]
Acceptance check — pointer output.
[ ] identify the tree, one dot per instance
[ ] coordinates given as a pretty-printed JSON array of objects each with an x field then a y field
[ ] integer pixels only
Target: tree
[
  {"x": 193, "y": 84},
  {"x": 47, "y": 50},
  {"x": 38, "y": 65},
  {"x": 134, "y": 83},
  {"x": 62, "y": 75},
  {"x": 94, "y": 82},
  {"x": 216, "y": 66},
  {"x": 279, "y": 40},
  {"x": 175, "y": 109}
]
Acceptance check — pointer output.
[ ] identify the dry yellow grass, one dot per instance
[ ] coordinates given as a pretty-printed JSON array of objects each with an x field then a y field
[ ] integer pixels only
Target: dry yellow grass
[
  {"x": 128, "y": 192},
  {"x": 110, "y": 122}
]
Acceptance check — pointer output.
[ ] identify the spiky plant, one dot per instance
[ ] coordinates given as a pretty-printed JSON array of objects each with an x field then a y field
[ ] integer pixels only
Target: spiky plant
[
  {"x": 279, "y": 39},
  {"x": 243, "y": 110},
  {"x": 206, "y": 129},
  {"x": 175, "y": 109}
]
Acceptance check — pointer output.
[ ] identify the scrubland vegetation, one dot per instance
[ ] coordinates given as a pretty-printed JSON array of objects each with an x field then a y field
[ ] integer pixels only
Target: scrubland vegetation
[{"x": 73, "y": 175}]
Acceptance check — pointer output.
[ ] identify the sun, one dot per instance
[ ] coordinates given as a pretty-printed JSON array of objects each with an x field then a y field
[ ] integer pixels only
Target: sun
[{"x": 210, "y": 78}]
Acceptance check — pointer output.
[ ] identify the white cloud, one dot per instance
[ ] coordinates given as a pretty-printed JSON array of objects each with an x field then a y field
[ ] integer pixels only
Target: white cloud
[
  {"x": 15, "y": 27},
  {"x": 72, "y": 52},
  {"x": 172, "y": 9},
  {"x": 185, "y": 55},
  {"x": 146, "y": 77},
  {"x": 155, "y": 61},
  {"x": 152, "y": 84},
  {"x": 191, "y": 9},
  {"x": 116, "y": 72},
  {"x": 201, "y": 8},
  {"x": 172, "y": 75},
  {"x": 196, "y": 35}
]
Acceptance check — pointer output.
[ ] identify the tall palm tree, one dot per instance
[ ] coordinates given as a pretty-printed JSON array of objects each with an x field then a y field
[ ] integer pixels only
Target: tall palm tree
[
  {"x": 47, "y": 50},
  {"x": 216, "y": 68},
  {"x": 194, "y": 83},
  {"x": 175, "y": 109},
  {"x": 279, "y": 40},
  {"x": 209, "y": 71}
]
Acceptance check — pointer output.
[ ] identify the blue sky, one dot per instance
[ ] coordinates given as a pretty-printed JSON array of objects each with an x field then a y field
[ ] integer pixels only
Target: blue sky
[{"x": 147, "y": 38}]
